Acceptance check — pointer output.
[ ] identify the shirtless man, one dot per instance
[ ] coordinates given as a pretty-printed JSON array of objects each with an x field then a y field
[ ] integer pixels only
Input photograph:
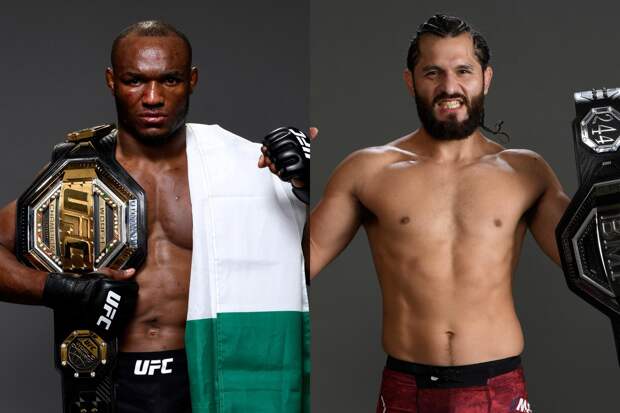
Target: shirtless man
[
  {"x": 151, "y": 79},
  {"x": 445, "y": 210}
]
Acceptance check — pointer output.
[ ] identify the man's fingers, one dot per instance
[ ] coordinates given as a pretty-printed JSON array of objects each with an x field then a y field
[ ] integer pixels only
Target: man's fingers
[
  {"x": 269, "y": 163},
  {"x": 264, "y": 161},
  {"x": 313, "y": 132},
  {"x": 117, "y": 274},
  {"x": 297, "y": 183}
]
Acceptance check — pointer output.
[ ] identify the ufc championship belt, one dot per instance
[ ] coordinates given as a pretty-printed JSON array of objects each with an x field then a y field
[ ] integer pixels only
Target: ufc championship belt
[
  {"x": 588, "y": 235},
  {"x": 82, "y": 213}
]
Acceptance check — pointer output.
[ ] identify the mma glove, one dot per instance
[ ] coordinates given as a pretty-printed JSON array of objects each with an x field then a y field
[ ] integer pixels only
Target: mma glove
[
  {"x": 289, "y": 150},
  {"x": 103, "y": 303}
]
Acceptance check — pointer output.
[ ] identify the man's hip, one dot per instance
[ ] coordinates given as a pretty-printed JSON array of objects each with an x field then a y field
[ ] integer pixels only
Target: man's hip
[{"x": 495, "y": 386}]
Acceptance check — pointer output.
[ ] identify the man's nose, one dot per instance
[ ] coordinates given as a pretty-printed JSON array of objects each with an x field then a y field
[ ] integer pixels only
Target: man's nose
[
  {"x": 153, "y": 95},
  {"x": 450, "y": 84}
]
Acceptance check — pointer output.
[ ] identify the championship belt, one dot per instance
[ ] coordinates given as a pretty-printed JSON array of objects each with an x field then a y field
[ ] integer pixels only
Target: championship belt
[
  {"x": 588, "y": 234},
  {"x": 82, "y": 213}
]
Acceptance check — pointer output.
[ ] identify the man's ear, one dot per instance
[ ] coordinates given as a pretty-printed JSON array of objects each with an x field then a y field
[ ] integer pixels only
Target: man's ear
[
  {"x": 487, "y": 76},
  {"x": 193, "y": 78},
  {"x": 109, "y": 79},
  {"x": 408, "y": 78}
]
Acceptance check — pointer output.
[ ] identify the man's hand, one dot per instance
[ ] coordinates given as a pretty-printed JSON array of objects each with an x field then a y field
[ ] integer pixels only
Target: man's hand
[
  {"x": 117, "y": 274},
  {"x": 287, "y": 154},
  {"x": 105, "y": 299},
  {"x": 265, "y": 162}
]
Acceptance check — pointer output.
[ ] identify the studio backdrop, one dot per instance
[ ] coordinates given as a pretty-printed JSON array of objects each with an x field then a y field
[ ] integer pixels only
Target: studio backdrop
[
  {"x": 541, "y": 54},
  {"x": 253, "y": 63}
]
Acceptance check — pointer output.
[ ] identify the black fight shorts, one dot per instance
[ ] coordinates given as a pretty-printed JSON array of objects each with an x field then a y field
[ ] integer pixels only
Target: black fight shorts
[{"x": 154, "y": 382}]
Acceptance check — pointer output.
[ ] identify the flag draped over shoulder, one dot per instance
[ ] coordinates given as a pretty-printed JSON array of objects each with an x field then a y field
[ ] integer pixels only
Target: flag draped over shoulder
[{"x": 248, "y": 329}]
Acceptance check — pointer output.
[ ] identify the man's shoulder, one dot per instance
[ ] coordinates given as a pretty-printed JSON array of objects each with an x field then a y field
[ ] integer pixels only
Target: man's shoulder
[
  {"x": 520, "y": 154},
  {"x": 520, "y": 157},
  {"x": 377, "y": 156},
  {"x": 526, "y": 161},
  {"x": 365, "y": 165}
]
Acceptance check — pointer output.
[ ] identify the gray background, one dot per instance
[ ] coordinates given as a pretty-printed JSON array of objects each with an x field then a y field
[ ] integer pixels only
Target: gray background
[
  {"x": 254, "y": 74},
  {"x": 52, "y": 70},
  {"x": 541, "y": 54}
]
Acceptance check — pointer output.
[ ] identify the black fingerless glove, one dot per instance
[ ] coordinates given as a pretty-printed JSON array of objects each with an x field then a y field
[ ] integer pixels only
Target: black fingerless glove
[
  {"x": 289, "y": 150},
  {"x": 106, "y": 304}
]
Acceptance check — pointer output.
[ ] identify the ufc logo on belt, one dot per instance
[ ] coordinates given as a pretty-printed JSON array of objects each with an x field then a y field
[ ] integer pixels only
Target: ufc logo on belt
[
  {"x": 149, "y": 367},
  {"x": 110, "y": 307}
]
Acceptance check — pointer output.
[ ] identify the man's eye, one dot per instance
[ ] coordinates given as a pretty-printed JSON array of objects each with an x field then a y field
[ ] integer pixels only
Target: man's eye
[
  {"x": 464, "y": 71},
  {"x": 431, "y": 74},
  {"x": 171, "y": 81},
  {"x": 133, "y": 82}
]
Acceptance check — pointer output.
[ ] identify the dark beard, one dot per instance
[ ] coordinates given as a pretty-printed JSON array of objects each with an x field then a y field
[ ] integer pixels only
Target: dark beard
[{"x": 451, "y": 129}]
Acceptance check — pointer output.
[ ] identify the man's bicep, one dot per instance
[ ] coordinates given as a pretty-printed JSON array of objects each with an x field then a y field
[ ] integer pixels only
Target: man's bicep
[
  {"x": 547, "y": 214},
  {"x": 7, "y": 226},
  {"x": 334, "y": 221}
]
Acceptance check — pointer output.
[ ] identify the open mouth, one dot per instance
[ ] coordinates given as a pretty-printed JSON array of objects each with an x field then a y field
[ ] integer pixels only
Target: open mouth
[{"x": 450, "y": 104}]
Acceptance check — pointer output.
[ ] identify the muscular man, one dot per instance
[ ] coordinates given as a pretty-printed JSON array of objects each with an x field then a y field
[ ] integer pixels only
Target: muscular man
[
  {"x": 151, "y": 79},
  {"x": 445, "y": 210}
]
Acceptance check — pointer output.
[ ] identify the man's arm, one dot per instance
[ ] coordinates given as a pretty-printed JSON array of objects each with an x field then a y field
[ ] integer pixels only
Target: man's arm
[
  {"x": 18, "y": 283},
  {"x": 25, "y": 285},
  {"x": 548, "y": 210},
  {"x": 338, "y": 215}
]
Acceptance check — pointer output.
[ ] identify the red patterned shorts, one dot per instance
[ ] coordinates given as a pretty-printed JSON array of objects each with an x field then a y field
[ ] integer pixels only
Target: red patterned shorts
[{"x": 492, "y": 387}]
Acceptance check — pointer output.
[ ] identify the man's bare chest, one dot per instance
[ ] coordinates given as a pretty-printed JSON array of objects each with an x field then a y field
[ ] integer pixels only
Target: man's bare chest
[
  {"x": 169, "y": 212},
  {"x": 479, "y": 201}
]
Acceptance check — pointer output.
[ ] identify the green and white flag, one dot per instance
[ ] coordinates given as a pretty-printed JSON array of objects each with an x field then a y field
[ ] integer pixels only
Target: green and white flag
[{"x": 248, "y": 329}]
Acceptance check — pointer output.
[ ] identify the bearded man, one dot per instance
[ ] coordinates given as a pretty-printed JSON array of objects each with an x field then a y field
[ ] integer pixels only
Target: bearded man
[{"x": 445, "y": 210}]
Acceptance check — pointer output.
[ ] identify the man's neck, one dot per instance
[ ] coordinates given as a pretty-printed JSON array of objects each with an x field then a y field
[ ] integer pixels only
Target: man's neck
[
  {"x": 129, "y": 147},
  {"x": 449, "y": 151}
]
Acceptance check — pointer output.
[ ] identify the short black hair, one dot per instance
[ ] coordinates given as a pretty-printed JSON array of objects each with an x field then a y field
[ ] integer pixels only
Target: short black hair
[
  {"x": 448, "y": 26},
  {"x": 150, "y": 28}
]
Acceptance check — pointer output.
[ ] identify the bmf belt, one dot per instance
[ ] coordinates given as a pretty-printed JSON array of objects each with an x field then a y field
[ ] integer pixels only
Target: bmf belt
[
  {"x": 82, "y": 213},
  {"x": 588, "y": 234}
]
